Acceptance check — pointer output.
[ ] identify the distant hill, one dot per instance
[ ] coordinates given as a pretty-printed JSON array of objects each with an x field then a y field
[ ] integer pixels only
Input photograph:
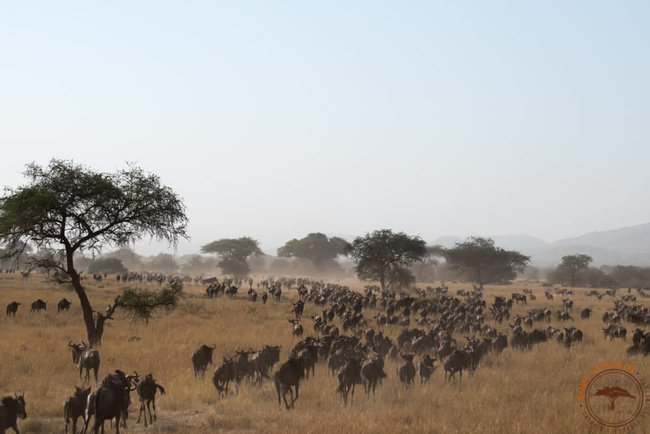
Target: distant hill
[
  {"x": 629, "y": 240},
  {"x": 624, "y": 246}
]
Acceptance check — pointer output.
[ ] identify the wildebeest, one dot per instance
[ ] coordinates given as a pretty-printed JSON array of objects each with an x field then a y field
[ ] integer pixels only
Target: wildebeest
[
  {"x": 287, "y": 378},
  {"x": 349, "y": 376},
  {"x": 38, "y": 305},
  {"x": 585, "y": 314},
  {"x": 86, "y": 357},
  {"x": 372, "y": 371},
  {"x": 12, "y": 308},
  {"x": 425, "y": 368},
  {"x": 75, "y": 407},
  {"x": 572, "y": 335},
  {"x": 10, "y": 410},
  {"x": 147, "y": 388},
  {"x": 456, "y": 362},
  {"x": 406, "y": 371},
  {"x": 298, "y": 308},
  {"x": 63, "y": 305},
  {"x": 615, "y": 331},
  {"x": 110, "y": 401},
  {"x": 297, "y": 328},
  {"x": 223, "y": 375},
  {"x": 201, "y": 359},
  {"x": 519, "y": 298},
  {"x": 265, "y": 359}
]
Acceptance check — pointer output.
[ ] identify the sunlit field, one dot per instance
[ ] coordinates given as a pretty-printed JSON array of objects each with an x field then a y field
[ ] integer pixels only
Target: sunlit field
[{"x": 515, "y": 391}]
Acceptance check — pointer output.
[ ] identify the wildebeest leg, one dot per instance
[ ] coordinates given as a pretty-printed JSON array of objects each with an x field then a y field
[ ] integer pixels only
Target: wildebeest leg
[
  {"x": 277, "y": 388},
  {"x": 153, "y": 402},
  {"x": 284, "y": 396},
  {"x": 352, "y": 395},
  {"x": 149, "y": 408},
  {"x": 140, "y": 414},
  {"x": 294, "y": 400}
]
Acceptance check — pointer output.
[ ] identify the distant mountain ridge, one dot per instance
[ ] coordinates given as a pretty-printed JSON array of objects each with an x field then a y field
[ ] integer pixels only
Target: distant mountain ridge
[{"x": 623, "y": 246}]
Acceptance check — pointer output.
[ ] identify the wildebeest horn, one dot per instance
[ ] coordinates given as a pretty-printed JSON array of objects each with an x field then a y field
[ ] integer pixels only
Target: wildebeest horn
[
  {"x": 70, "y": 345},
  {"x": 213, "y": 346}
]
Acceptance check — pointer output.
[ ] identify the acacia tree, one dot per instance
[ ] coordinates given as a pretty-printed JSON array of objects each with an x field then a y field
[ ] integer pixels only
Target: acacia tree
[
  {"x": 69, "y": 208},
  {"x": 574, "y": 263},
  {"x": 316, "y": 247},
  {"x": 483, "y": 262},
  {"x": 233, "y": 254},
  {"x": 385, "y": 256}
]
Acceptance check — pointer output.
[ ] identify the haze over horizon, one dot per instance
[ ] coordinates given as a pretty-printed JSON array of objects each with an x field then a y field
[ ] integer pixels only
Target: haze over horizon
[{"x": 274, "y": 120}]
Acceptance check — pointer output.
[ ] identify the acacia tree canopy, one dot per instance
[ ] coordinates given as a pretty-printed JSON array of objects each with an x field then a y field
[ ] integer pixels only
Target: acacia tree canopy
[
  {"x": 483, "y": 262},
  {"x": 69, "y": 208},
  {"x": 571, "y": 264},
  {"x": 385, "y": 256},
  {"x": 233, "y": 253},
  {"x": 316, "y": 247}
]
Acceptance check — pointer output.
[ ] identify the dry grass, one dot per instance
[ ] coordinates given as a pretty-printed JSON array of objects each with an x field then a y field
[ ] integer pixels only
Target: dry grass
[{"x": 514, "y": 392}]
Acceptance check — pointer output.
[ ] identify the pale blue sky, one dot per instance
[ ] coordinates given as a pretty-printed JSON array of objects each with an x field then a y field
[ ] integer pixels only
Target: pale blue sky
[{"x": 275, "y": 119}]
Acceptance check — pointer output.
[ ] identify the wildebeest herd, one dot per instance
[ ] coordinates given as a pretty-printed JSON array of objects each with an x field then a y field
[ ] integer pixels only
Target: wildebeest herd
[{"x": 449, "y": 332}]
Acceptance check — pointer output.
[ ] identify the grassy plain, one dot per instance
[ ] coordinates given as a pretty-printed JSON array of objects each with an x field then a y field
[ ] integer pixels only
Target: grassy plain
[{"x": 520, "y": 392}]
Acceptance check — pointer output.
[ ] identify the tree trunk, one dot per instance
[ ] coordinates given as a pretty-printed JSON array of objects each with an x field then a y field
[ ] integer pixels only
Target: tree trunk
[{"x": 94, "y": 338}]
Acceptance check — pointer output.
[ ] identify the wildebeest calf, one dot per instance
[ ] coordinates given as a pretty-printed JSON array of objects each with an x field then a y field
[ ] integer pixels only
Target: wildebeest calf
[
  {"x": 75, "y": 407},
  {"x": 147, "y": 388}
]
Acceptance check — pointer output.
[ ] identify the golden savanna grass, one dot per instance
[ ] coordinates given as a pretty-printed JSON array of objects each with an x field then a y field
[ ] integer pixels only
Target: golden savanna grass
[{"x": 519, "y": 392}]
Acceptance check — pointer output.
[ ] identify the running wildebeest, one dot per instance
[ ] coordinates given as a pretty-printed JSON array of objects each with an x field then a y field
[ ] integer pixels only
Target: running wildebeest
[
  {"x": 86, "y": 357},
  {"x": 297, "y": 327},
  {"x": 201, "y": 359},
  {"x": 223, "y": 375},
  {"x": 10, "y": 410},
  {"x": 298, "y": 308},
  {"x": 287, "y": 378},
  {"x": 110, "y": 401},
  {"x": 349, "y": 376},
  {"x": 425, "y": 368},
  {"x": 38, "y": 305},
  {"x": 75, "y": 407},
  {"x": 147, "y": 388},
  {"x": 456, "y": 362},
  {"x": 12, "y": 308},
  {"x": 63, "y": 305},
  {"x": 406, "y": 371},
  {"x": 372, "y": 371}
]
